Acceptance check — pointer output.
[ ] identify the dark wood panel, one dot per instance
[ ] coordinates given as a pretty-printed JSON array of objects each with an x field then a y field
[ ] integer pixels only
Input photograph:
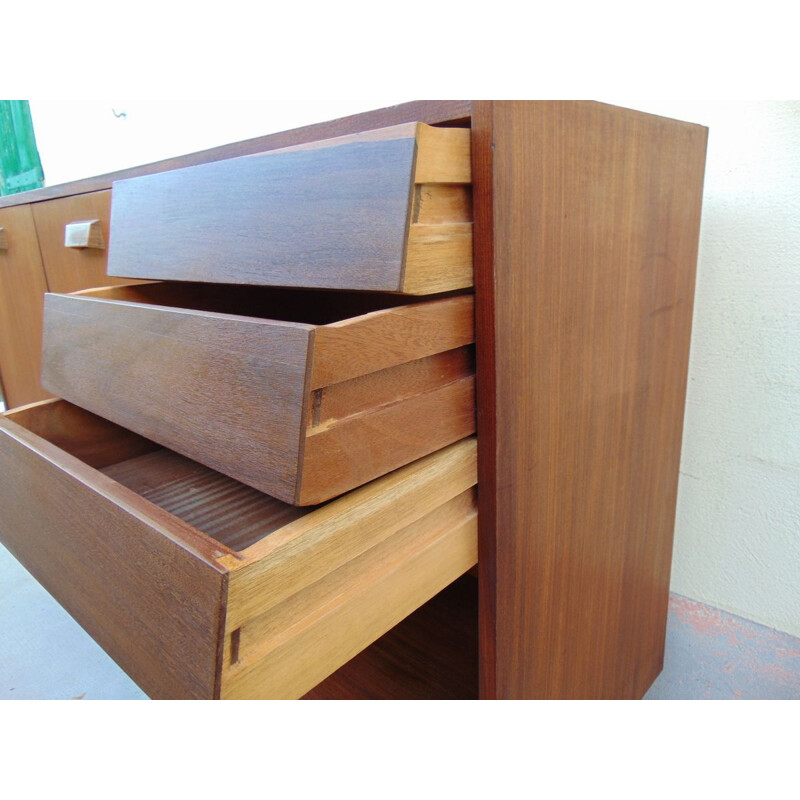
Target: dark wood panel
[
  {"x": 587, "y": 220},
  {"x": 225, "y": 391},
  {"x": 142, "y": 592},
  {"x": 430, "y": 655},
  {"x": 330, "y": 217},
  {"x": 447, "y": 112},
  {"x": 22, "y": 288}
]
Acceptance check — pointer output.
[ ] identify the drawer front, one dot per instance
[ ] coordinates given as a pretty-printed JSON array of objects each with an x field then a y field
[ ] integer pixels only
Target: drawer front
[
  {"x": 300, "y": 411},
  {"x": 385, "y": 210},
  {"x": 200, "y": 587},
  {"x": 73, "y": 237}
]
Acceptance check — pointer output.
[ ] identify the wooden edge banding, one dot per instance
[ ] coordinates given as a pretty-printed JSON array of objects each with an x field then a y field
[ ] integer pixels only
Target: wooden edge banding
[
  {"x": 303, "y": 551},
  {"x": 382, "y": 339},
  {"x": 285, "y": 653}
]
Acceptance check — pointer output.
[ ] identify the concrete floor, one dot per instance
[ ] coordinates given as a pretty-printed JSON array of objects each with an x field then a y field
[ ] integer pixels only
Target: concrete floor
[{"x": 45, "y": 654}]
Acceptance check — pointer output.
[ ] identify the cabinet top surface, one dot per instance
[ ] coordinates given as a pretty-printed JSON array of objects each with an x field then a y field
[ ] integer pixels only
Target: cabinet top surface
[{"x": 431, "y": 111}]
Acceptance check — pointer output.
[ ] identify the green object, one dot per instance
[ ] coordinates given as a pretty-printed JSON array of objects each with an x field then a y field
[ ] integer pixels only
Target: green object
[{"x": 20, "y": 166}]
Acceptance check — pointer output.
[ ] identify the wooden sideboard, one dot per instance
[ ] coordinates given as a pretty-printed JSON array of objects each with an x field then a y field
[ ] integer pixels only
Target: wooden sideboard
[{"x": 586, "y": 223}]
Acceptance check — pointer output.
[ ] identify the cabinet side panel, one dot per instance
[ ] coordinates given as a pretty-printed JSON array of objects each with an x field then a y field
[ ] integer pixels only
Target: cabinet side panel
[{"x": 595, "y": 224}]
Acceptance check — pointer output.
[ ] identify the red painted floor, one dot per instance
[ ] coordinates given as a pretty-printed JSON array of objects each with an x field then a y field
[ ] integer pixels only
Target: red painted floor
[
  {"x": 714, "y": 655},
  {"x": 710, "y": 654}
]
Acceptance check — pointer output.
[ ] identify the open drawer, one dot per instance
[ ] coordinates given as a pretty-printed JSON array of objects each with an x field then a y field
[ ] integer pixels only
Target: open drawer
[
  {"x": 302, "y": 395},
  {"x": 384, "y": 210},
  {"x": 201, "y": 587}
]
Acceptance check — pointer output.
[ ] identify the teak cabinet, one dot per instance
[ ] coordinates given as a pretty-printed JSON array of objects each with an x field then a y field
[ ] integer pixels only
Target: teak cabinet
[{"x": 582, "y": 226}]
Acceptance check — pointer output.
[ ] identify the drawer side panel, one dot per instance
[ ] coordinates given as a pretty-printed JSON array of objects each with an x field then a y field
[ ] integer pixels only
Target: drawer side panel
[{"x": 154, "y": 606}]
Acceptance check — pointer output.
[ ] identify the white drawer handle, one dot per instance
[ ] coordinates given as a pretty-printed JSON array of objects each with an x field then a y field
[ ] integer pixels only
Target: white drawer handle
[{"x": 84, "y": 233}]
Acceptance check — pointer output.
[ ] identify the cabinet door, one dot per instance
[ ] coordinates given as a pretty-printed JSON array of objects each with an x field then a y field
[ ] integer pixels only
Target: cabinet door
[
  {"x": 71, "y": 269},
  {"x": 22, "y": 288}
]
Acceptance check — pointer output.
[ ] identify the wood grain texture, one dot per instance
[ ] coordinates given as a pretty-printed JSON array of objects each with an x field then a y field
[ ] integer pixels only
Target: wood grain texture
[
  {"x": 368, "y": 392},
  {"x": 345, "y": 454},
  {"x": 587, "y": 267},
  {"x": 287, "y": 651},
  {"x": 128, "y": 551},
  {"x": 303, "y": 552},
  {"x": 331, "y": 214},
  {"x": 333, "y": 218},
  {"x": 443, "y": 155},
  {"x": 22, "y": 288},
  {"x": 430, "y": 655},
  {"x": 158, "y": 370},
  {"x": 384, "y": 339},
  {"x": 69, "y": 269},
  {"x": 220, "y": 507},
  {"x": 439, "y": 258},
  {"x": 144, "y": 585},
  {"x": 226, "y": 391}
]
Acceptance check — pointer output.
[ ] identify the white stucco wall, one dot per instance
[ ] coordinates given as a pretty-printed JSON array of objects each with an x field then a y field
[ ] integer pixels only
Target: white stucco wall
[
  {"x": 737, "y": 543},
  {"x": 737, "y": 537}
]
